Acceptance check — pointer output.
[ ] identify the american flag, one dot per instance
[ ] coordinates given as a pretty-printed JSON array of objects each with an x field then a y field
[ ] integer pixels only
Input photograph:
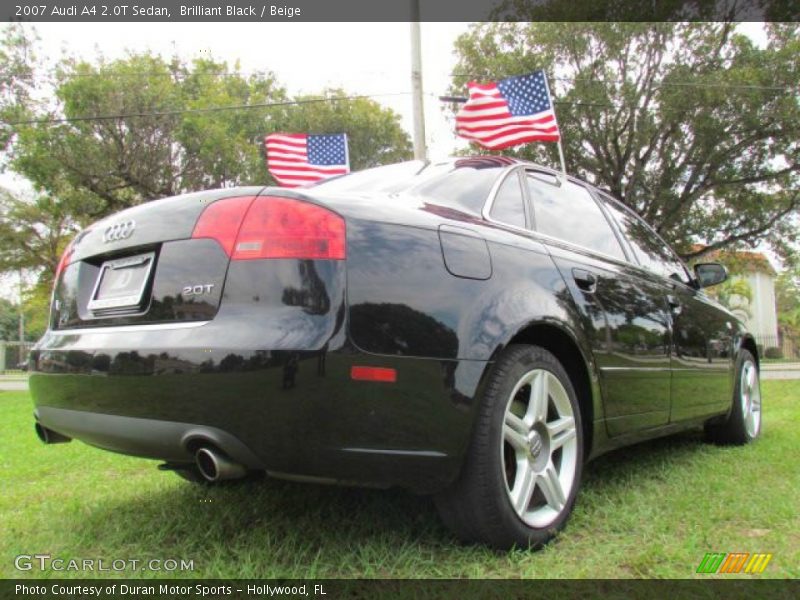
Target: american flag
[
  {"x": 513, "y": 111},
  {"x": 296, "y": 159}
]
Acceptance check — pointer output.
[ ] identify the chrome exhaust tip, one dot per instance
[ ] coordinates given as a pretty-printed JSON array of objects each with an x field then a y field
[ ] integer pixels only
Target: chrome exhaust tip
[
  {"x": 216, "y": 466},
  {"x": 48, "y": 436}
]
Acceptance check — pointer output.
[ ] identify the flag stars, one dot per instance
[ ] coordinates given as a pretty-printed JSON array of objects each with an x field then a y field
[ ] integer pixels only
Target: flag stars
[
  {"x": 327, "y": 149},
  {"x": 526, "y": 94}
]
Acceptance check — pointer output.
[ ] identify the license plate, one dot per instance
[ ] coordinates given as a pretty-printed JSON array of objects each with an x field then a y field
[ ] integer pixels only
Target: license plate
[{"x": 121, "y": 282}]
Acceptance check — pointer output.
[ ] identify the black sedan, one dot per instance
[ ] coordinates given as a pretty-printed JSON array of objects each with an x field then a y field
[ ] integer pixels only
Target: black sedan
[{"x": 476, "y": 328}]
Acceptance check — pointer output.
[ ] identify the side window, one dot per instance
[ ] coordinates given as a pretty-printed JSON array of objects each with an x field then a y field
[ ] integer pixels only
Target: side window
[
  {"x": 509, "y": 205},
  {"x": 568, "y": 212},
  {"x": 651, "y": 252}
]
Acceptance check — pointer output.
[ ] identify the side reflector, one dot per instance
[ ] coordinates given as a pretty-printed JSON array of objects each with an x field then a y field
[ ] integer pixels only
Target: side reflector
[{"x": 373, "y": 374}]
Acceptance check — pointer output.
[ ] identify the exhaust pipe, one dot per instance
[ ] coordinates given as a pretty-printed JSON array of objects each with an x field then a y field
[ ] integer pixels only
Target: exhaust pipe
[
  {"x": 216, "y": 466},
  {"x": 48, "y": 436}
]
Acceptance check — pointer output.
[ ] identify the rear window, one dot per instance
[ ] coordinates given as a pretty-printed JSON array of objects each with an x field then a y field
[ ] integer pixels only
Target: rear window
[
  {"x": 442, "y": 182},
  {"x": 568, "y": 212}
]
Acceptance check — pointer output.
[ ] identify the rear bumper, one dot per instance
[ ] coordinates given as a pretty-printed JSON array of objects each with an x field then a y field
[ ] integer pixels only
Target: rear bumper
[
  {"x": 159, "y": 392},
  {"x": 151, "y": 438}
]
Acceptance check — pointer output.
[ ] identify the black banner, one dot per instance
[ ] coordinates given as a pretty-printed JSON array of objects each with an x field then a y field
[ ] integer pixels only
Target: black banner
[
  {"x": 398, "y": 10},
  {"x": 546, "y": 589}
]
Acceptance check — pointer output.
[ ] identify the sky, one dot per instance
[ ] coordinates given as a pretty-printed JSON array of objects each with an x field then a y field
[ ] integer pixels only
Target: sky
[{"x": 362, "y": 58}]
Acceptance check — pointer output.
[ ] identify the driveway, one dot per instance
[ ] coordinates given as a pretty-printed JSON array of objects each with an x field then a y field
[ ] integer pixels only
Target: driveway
[
  {"x": 13, "y": 383},
  {"x": 780, "y": 371}
]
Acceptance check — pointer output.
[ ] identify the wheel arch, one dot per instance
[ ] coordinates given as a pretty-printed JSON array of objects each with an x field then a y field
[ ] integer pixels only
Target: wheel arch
[
  {"x": 560, "y": 342},
  {"x": 749, "y": 343}
]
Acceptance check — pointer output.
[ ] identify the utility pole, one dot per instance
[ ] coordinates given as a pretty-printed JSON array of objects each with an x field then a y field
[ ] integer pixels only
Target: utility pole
[{"x": 420, "y": 151}]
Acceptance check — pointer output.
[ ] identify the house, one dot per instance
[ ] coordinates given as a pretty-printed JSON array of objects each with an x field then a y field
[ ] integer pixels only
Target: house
[{"x": 759, "y": 312}]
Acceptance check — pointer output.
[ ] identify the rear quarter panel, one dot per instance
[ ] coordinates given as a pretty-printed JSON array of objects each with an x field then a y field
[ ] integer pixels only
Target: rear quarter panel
[{"x": 403, "y": 301}]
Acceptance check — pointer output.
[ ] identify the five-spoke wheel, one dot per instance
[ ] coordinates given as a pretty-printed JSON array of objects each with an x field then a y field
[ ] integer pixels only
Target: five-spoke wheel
[
  {"x": 742, "y": 424},
  {"x": 523, "y": 467},
  {"x": 539, "y": 447}
]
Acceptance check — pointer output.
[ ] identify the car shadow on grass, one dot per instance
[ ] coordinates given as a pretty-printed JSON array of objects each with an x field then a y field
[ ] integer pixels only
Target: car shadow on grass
[{"x": 272, "y": 528}]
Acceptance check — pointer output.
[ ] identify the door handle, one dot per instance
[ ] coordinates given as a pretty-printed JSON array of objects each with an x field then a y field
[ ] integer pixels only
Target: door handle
[
  {"x": 674, "y": 304},
  {"x": 586, "y": 281}
]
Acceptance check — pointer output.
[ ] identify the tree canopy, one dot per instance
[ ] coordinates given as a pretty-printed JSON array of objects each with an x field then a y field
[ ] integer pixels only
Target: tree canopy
[{"x": 692, "y": 125}]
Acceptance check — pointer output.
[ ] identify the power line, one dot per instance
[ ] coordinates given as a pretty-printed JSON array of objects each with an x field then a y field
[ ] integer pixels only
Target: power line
[
  {"x": 180, "y": 111},
  {"x": 699, "y": 84}
]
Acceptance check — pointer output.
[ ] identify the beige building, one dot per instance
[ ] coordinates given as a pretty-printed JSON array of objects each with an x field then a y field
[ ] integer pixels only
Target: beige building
[{"x": 759, "y": 313}]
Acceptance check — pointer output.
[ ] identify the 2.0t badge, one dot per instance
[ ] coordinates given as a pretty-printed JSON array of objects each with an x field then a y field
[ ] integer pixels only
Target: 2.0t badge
[{"x": 197, "y": 290}]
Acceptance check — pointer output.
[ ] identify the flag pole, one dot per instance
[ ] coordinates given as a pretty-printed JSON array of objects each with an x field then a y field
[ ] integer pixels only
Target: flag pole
[{"x": 560, "y": 147}]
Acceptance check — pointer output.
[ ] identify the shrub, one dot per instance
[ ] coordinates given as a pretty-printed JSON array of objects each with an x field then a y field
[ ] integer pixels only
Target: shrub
[{"x": 773, "y": 353}]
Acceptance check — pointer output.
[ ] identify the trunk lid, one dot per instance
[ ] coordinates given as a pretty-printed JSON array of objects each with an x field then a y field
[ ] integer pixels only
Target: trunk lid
[{"x": 142, "y": 266}]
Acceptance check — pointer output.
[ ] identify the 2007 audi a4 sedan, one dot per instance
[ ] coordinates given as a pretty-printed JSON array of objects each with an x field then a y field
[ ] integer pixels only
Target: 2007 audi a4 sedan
[{"x": 476, "y": 328}]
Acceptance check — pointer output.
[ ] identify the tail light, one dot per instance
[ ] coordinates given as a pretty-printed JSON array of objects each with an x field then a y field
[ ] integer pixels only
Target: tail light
[
  {"x": 272, "y": 227},
  {"x": 64, "y": 261}
]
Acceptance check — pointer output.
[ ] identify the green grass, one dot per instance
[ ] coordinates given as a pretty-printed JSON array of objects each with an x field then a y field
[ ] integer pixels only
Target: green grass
[{"x": 648, "y": 511}]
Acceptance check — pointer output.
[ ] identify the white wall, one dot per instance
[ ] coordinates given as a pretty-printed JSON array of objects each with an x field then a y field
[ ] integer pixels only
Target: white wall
[{"x": 763, "y": 319}]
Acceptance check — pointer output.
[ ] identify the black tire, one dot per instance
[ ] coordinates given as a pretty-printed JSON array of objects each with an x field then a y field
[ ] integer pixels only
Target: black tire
[
  {"x": 742, "y": 425},
  {"x": 478, "y": 507}
]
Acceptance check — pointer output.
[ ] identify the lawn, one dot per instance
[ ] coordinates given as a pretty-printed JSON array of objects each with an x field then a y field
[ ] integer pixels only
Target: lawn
[{"x": 653, "y": 510}]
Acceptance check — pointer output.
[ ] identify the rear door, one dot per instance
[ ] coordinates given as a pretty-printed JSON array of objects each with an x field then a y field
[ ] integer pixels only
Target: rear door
[{"x": 624, "y": 314}]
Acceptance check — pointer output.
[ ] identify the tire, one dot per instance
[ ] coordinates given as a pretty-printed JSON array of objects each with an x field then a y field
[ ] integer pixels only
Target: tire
[
  {"x": 524, "y": 463},
  {"x": 743, "y": 423}
]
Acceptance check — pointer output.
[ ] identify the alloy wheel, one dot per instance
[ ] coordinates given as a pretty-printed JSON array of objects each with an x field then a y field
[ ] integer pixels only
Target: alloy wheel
[
  {"x": 539, "y": 448},
  {"x": 750, "y": 395}
]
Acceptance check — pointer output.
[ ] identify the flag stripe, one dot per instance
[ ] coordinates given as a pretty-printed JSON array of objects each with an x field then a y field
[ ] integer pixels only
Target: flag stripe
[
  {"x": 507, "y": 113},
  {"x": 298, "y": 159}
]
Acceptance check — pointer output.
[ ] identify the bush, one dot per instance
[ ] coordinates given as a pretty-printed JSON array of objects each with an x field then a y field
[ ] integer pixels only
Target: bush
[{"x": 773, "y": 353}]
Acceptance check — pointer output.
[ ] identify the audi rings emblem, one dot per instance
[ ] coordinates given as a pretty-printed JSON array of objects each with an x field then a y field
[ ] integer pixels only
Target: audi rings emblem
[{"x": 119, "y": 231}]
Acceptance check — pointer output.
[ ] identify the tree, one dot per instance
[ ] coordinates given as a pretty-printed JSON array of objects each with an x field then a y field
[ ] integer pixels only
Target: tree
[
  {"x": 17, "y": 64},
  {"x": 374, "y": 134},
  {"x": 690, "y": 124},
  {"x": 141, "y": 128},
  {"x": 33, "y": 233},
  {"x": 9, "y": 320},
  {"x": 787, "y": 300}
]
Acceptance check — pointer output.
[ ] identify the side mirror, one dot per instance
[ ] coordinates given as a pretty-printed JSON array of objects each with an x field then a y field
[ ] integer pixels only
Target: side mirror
[{"x": 708, "y": 274}]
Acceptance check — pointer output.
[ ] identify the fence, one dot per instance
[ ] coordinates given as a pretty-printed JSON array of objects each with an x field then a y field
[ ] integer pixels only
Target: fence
[
  {"x": 13, "y": 355},
  {"x": 788, "y": 347}
]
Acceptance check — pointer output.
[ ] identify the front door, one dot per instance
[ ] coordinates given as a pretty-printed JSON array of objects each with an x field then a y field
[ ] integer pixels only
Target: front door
[{"x": 702, "y": 355}]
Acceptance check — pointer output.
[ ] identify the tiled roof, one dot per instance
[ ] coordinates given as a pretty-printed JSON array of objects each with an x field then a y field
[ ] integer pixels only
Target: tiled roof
[{"x": 739, "y": 260}]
